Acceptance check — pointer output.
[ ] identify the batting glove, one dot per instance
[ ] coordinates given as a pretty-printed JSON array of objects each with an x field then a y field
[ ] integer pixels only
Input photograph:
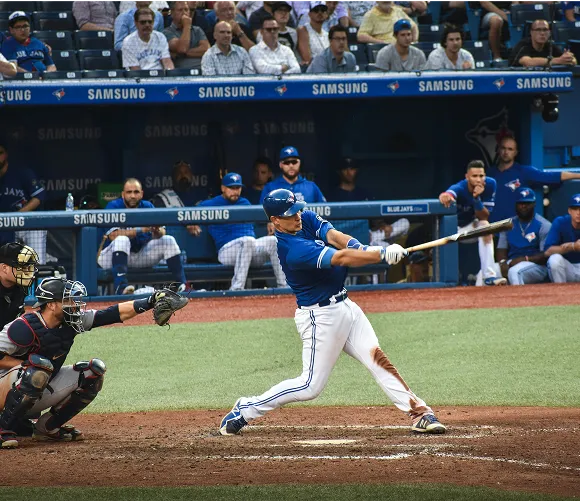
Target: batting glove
[{"x": 394, "y": 253}]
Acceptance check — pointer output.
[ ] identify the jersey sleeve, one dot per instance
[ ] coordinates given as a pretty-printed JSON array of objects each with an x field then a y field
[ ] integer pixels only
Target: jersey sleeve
[
  {"x": 536, "y": 176},
  {"x": 544, "y": 231},
  {"x": 309, "y": 254},
  {"x": 34, "y": 188},
  {"x": 488, "y": 196},
  {"x": 315, "y": 226},
  {"x": 454, "y": 189},
  {"x": 47, "y": 58},
  {"x": 553, "y": 237}
]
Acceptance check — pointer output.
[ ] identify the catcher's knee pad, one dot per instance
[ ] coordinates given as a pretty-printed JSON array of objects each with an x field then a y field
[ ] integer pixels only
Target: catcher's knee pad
[
  {"x": 20, "y": 399},
  {"x": 92, "y": 383}
]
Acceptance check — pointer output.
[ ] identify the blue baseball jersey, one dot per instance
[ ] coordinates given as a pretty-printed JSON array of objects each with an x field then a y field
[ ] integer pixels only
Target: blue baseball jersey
[
  {"x": 304, "y": 190},
  {"x": 508, "y": 182},
  {"x": 305, "y": 259},
  {"x": 224, "y": 233},
  {"x": 525, "y": 239},
  {"x": 141, "y": 239},
  {"x": 465, "y": 200},
  {"x": 561, "y": 232},
  {"x": 32, "y": 55}
]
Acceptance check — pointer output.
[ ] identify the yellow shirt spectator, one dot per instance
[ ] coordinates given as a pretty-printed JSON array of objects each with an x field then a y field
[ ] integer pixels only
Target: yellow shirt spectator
[{"x": 377, "y": 24}]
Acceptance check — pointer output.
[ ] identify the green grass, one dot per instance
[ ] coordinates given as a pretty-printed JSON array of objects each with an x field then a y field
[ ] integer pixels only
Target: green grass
[
  {"x": 525, "y": 356},
  {"x": 394, "y": 492}
]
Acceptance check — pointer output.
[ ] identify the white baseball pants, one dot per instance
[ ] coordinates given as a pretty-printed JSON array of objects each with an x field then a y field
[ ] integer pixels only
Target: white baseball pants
[
  {"x": 150, "y": 254},
  {"x": 244, "y": 252},
  {"x": 325, "y": 332},
  {"x": 561, "y": 270},
  {"x": 521, "y": 274},
  {"x": 485, "y": 248}
]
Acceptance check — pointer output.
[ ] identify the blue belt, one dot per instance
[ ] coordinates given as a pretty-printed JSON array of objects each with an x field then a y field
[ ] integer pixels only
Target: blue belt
[{"x": 337, "y": 298}]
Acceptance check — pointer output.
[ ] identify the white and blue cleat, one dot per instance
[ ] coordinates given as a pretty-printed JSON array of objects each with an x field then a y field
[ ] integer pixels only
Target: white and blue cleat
[{"x": 233, "y": 421}]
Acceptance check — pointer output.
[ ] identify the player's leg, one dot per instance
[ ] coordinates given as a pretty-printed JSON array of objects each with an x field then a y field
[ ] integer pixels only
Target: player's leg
[
  {"x": 267, "y": 250},
  {"x": 558, "y": 267},
  {"x": 479, "y": 277},
  {"x": 527, "y": 273},
  {"x": 74, "y": 388},
  {"x": 157, "y": 249},
  {"x": 238, "y": 253},
  {"x": 116, "y": 256},
  {"x": 362, "y": 344},
  {"x": 487, "y": 258}
]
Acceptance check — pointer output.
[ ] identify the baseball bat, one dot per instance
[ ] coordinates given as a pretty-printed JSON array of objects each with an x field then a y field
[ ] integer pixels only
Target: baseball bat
[{"x": 489, "y": 229}]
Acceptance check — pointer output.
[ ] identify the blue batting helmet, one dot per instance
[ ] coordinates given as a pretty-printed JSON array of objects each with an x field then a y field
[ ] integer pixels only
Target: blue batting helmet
[
  {"x": 526, "y": 195},
  {"x": 282, "y": 203}
]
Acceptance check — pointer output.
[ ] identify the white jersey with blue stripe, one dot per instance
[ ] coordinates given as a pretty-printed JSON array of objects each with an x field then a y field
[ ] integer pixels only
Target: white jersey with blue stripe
[{"x": 305, "y": 259}]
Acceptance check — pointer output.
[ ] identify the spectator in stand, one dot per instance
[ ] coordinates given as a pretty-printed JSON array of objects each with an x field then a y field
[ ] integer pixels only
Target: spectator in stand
[
  {"x": 305, "y": 191},
  {"x": 224, "y": 58},
  {"x": 337, "y": 14},
  {"x": 270, "y": 57},
  {"x": 450, "y": 55},
  {"x": 335, "y": 59},
  {"x": 241, "y": 34},
  {"x": 357, "y": 11},
  {"x": 187, "y": 43},
  {"x": 538, "y": 50},
  {"x": 188, "y": 190},
  {"x": 312, "y": 37},
  {"x": 401, "y": 56},
  {"x": 236, "y": 243},
  {"x": 248, "y": 8},
  {"x": 413, "y": 9},
  {"x": 95, "y": 16},
  {"x": 495, "y": 14},
  {"x": 264, "y": 12},
  {"x": 571, "y": 11},
  {"x": 198, "y": 16},
  {"x": 122, "y": 248},
  {"x": 378, "y": 24},
  {"x": 286, "y": 36},
  {"x": 564, "y": 240},
  {"x": 146, "y": 49},
  {"x": 125, "y": 23},
  {"x": 510, "y": 175},
  {"x": 7, "y": 69},
  {"x": 155, "y": 6},
  {"x": 28, "y": 53},
  {"x": 262, "y": 174},
  {"x": 347, "y": 190}
]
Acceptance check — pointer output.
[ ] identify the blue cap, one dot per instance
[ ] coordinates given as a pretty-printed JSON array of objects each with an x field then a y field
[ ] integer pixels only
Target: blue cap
[
  {"x": 400, "y": 25},
  {"x": 575, "y": 201},
  {"x": 232, "y": 179},
  {"x": 289, "y": 152},
  {"x": 526, "y": 195}
]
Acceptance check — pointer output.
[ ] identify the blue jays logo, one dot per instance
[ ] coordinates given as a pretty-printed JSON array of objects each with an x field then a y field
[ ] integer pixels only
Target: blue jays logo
[
  {"x": 59, "y": 94},
  {"x": 281, "y": 90},
  {"x": 514, "y": 185},
  {"x": 499, "y": 83},
  {"x": 487, "y": 132},
  {"x": 288, "y": 151},
  {"x": 394, "y": 86},
  {"x": 530, "y": 236},
  {"x": 235, "y": 179},
  {"x": 577, "y": 200},
  {"x": 523, "y": 193},
  {"x": 172, "y": 92}
]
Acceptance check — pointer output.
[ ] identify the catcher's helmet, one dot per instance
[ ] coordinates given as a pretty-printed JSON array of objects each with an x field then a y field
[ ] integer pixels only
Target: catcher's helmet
[
  {"x": 23, "y": 260},
  {"x": 70, "y": 294},
  {"x": 282, "y": 203}
]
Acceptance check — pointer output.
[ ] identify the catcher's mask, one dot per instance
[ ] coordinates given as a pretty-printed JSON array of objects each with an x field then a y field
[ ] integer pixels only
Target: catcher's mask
[
  {"x": 71, "y": 294},
  {"x": 23, "y": 261}
]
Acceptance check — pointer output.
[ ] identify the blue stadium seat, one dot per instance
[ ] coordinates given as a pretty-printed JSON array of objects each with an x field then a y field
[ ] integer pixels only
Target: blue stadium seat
[
  {"x": 434, "y": 8},
  {"x": 359, "y": 51},
  {"x": 482, "y": 65},
  {"x": 14, "y": 6},
  {"x": 56, "y": 6},
  {"x": 430, "y": 33},
  {"x": 426, "y": 47},
  {"x": 65, "y": 60},
  {"x": 98, "y": 60},
  {"x": 372, "y": 51},
  {"x": 144, "y": 73},
  {"x": 473, "y": 20},
  {"x": 183, "y": 72},
  {"x": 94, "y": 40},
  {"x": 57, "y": 40},
  {"x": 372, "y": 68},
  {"x": 27, "y": 76},
  {"x": 60, "y": 21},
  {"x": 4, "y": 25},
  {"x": 352, "y": 32},
  {"x": 62, "y": 75},
  {"x": 5, "y": 14},
  {"x": 564, "y": 31},
  {"x": 103, "y": 74},
  {"x": 520, "y": 14},
  {"x": 479, "y": 49}
]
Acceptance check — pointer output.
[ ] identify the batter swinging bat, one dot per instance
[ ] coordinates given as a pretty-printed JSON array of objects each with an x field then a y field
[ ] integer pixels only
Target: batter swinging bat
[{"x": 489, "y": 229}]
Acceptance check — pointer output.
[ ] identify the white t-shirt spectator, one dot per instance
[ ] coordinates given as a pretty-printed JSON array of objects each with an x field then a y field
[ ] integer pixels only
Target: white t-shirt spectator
[
  {"x": 155, "y": 6},
  {"x": 146, "y": 55},
  {"x": 4, "y": 60},
  {"x": 269, "y": 62},
  {"x": 438, "y": 60}
]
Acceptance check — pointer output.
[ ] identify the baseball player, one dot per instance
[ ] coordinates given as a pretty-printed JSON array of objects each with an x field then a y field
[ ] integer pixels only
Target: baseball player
[
  {"x": 138, "y": 247},
  {"x": 521, "y": 250},
  {"x": 475, "y": 199},
  {"x": 236, "y": 243},
  {"x": 563, "y": 245},
  {"x": 33, "y": 349},
  {"x": 315, "y": 258}
]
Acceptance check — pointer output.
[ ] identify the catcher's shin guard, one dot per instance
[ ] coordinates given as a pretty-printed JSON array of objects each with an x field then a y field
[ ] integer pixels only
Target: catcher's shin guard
[
  {"x": 89, "y": 387},
  {"x": 22, "y": 397}
]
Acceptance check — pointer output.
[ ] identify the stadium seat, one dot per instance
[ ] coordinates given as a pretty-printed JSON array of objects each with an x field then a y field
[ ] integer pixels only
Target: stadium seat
[
  {"x": 94, "y": 40},
  {"x": 103, "y": 74},
  {"x": 57, "y": 40},
  {"x": 183, "y": 72},
  {"x": 359, "y": 51},
  {"x": 520, "y": 14},
  {"x": 372, "y": 51},
  {"x": 27, "y": 76},
  {"x": 575, "y": 48},
  {"x": 564, "y": 31},
  {"x": 14, "y": 6},
  {"x": 352, "y": 35},
  {"x": 65, "y": 60},
  {"x": 473, "y": 20},
  {"x": 434, "y": 8},
  {"x": 430, "y": 33},
  {"x": 481, "y": 65},
  {"x": 4, "y": 25},
  {"x": 62, "y": 75},
  {"x": 98, "y": 60},
  {"x": 56, "y": 6},
  {"x": 144, "y": 73},
  {"x": 426, "y": 47},
  {"x": 372, "y": 68},
  {"x": 4, "y": 14},
  {"x": 479, "y": 49},
  {"x": 53, "y": 21}
]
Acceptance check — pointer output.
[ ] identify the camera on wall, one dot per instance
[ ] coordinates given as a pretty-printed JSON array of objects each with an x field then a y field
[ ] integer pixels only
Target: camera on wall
[{"x": 548, "y": 104}]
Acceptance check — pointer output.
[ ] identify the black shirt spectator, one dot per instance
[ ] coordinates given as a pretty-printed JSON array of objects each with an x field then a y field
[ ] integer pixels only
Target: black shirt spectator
[{"x": 525, "y": 49}]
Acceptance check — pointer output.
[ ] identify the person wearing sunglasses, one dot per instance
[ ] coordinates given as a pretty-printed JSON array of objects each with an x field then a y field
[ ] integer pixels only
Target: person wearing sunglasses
[
  {"x": 270, "y": 57},
  {"x": 312, "y": 37},
  {"x": 146, "y": 49},
  {"x": 125, "y": 23}
]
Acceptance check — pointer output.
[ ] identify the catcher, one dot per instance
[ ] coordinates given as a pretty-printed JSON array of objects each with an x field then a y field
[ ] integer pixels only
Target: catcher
[{"x": 33, "y": 349}]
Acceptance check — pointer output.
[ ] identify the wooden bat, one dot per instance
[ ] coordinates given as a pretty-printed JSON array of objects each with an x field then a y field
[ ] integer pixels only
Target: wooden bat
[{"x": 489, "y": 229}]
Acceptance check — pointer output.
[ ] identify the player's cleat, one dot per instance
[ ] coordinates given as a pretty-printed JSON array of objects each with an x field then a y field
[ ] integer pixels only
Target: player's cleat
[
  {"x": 8, "y": 439},
  {"x": 66, "y": 433},
  {"x": 182, "y": 288},
  {"x": 428, "y": 424},
  {"x": 125, "y": 289},
  {"x": 495, "y": 281},
  {"x": 233, "y": 421}
]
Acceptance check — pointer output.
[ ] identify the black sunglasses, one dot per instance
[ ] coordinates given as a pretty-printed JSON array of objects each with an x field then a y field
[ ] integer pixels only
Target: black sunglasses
[{"x": 290, "y": 162}]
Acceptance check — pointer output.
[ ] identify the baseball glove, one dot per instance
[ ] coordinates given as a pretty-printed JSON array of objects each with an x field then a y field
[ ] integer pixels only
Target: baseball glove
[{"x": 165, "y": 304}]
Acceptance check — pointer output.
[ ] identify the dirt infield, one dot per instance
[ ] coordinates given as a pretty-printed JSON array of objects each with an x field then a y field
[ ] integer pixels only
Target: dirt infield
[{"x": 529, "y": 449}]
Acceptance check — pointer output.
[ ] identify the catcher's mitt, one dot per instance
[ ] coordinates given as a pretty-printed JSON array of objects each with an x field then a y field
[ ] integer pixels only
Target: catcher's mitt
[{"x": 165, "y": 304}]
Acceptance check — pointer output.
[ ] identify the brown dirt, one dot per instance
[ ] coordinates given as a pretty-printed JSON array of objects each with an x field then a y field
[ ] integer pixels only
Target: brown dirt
[{"x": 527, "y": 449}]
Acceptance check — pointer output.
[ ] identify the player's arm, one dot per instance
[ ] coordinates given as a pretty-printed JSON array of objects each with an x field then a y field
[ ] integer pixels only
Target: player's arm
[
  {"x": 31, "y": 205},
  {"x": 7, "y": 362},
  {"x": 338, "y": 239},
  {"x": 355, "y": 257},
  {"x": 447, "y": 198},
  {"x": 564, "y": 248}
]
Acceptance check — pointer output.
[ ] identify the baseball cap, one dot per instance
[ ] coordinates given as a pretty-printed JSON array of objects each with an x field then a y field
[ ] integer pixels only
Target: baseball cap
[
  {"x": 313, "y": 5},
  {"x": 281, "y": 5},
  {"x": 347, "y": 163},
  {"x": 289, "y": 152},
  {"x": 526, "y": 195},
  {"x": 232, "y": 179},
  {"x": 15, "y": 16},
  {"x": 400, "y": 25},
  {"x": 575, "y": 201}
]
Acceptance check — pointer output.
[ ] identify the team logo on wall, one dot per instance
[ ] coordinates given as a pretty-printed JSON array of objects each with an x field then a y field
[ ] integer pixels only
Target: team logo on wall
[
  {"x": 281, "y": 89},
  {"x": 59, "y": 94},
  {"x": 394, "y": 86},
  {"x": 499, "y": 83},
  {"x": 172, "y": 92},
  {"x": 487, "y": 133}
]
